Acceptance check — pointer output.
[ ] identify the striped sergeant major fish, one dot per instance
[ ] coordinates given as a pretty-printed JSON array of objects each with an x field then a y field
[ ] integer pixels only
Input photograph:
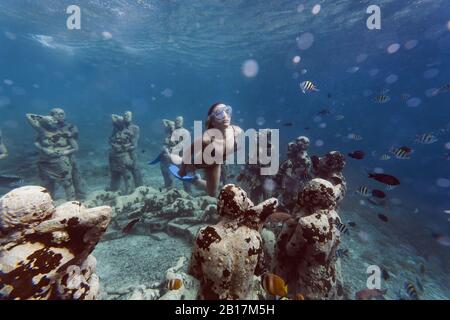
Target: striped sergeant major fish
[
  {"x": 354, "y": 136},
  {"x": 364, "y": 191},
  {"x": 426, "y": 138},
  {"x": 390, "y": 188},
  {"x": 401, "y": 153},
  {"x": 411, "y": 291},
  {"x": 341, "y": 253},
  {"x": 342, "y": 228},
  {"x": 382, "y": 97},
  {"x": 308, "y": 86},
  {"x": 405, "y": 96}
]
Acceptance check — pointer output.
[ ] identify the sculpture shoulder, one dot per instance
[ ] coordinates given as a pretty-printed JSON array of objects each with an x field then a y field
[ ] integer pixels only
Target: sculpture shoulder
[
  {"x": 208, "y": 236},
  {"x": 313, "y": 220},
  {"x": 71, "y": 128},
  {"x": 135, "y": 128}
]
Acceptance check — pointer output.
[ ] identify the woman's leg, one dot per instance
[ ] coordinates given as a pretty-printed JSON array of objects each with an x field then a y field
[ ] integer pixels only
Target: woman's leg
[{"x": 212, "y": 176}]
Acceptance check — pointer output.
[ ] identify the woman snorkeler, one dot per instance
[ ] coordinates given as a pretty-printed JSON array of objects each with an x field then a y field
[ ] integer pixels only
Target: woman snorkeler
[{"x": 220, "y": 133}]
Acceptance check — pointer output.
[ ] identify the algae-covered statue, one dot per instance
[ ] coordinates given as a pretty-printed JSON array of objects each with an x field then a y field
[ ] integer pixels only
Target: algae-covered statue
[
  {"x": 168, "y": 144},
  {"x": 57, "y": 145},
  {"x": 3, "y": 150},
  {"x": 259, "y": 187},
  {"x": 306, "y": 247},
  {"x": 123, "y": 157},
  {"x": 330, "y": 167},
  {"x": 227, "y": 255},
  {"x": 294, "y": 172}
]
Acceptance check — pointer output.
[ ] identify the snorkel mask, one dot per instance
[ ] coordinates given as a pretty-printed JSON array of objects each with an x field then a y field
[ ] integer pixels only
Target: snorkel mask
[{"x": 220, "y": 112}]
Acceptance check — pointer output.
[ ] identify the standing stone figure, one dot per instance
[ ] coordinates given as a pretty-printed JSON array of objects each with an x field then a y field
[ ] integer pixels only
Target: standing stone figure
[
  {"x": 57, "y": 145},
  {"x": 294, "y": 172},
  {"x": 170, "y": 127},
  {"x": 122, "y": 157},
  {"x": 3, "y": 150},
  {"x": 305, "y": 255}
]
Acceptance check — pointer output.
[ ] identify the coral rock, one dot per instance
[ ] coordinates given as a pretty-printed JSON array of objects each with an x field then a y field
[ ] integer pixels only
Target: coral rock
[
  {"x": 49, "y": 258},
  {"x": 24, "y": 207}
]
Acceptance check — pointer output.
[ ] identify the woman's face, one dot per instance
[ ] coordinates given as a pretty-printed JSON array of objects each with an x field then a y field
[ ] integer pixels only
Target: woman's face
[{"x": 221, "y": 116}]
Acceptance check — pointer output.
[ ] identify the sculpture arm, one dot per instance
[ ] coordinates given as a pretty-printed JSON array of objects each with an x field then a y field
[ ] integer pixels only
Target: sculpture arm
[
  {"x": 47, "y": 151},
  {"x": 3, "y": 150},
  {"x": 74, "y": 147},
  {"x": 34, "y": 120},
  {"x": 167, "y": 123},
  {"x": 136, "y": 136}
]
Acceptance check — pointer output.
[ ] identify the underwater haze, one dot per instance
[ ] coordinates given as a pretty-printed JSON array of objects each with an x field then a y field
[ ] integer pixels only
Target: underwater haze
[{"x": 384, "y": 92}]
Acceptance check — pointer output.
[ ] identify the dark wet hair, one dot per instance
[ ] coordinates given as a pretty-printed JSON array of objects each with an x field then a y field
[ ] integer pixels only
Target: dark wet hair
[{"x": 208, "y": 123}]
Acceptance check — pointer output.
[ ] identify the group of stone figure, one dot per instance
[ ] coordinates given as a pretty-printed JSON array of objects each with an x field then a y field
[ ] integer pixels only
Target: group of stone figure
[
  {"x": 295, "y": 171},
  {"x": 301, "y": 248},
  {"x": 57, "y": 142}
]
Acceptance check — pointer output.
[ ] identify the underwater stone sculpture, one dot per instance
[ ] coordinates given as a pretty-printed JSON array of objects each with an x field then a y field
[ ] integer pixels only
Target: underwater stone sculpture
[
  {"x": 250, "y": 179},
  {"x": 3, "y": 150},
  {"x": 306, "y": 246},
  {"x": 123, "y": 157},
  {"x": 168, "y": 144},
  {"x": 330, "y": 167},
  {"x": 227, "y": 255},
  {"x": 294, "y": 172},
  {"x": 57, "y": 145},
  {"x": 45, "y": 252}
]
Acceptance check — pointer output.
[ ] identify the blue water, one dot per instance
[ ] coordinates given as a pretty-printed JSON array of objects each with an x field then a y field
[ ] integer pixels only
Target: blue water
[{"x": 161, "y": 59}]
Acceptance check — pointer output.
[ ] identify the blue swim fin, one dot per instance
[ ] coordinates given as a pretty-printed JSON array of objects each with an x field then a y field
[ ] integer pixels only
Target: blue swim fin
[
  {"x": 174, "y": 171},
  {"x": 156, "y": 160}
]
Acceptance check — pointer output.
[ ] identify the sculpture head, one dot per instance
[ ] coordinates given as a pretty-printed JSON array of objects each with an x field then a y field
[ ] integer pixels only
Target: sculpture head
[
  {"x": 233, "y": 202},
  {"x": 179, "y": 122},
  {"x": 317, "y": 194},
  {"x": 128, "y": 117},
  {"x": 333, "y": 161},
  {"x": 302, "y": 143},
  {"x": 58, "y": 114}
]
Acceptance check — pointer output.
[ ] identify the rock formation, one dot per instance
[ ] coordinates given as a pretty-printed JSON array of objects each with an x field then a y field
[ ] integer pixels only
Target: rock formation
[{"x": 45, "y": 252}]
